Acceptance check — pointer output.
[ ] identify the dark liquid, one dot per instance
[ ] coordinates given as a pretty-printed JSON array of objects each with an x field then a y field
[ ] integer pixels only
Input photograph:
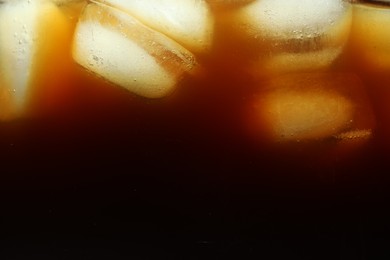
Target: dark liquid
[{"x": 98, "y": 170}]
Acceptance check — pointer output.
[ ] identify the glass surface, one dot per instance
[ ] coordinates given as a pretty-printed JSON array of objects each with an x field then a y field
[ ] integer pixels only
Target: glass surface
[{"x": 187, "y": 129}]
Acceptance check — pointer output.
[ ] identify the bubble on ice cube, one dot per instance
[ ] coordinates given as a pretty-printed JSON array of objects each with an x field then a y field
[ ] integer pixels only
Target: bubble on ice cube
[
  {"x": 310, "y": 106},
  {"x": 189, "y": 22},
  {"x": 371, "y": 36},
  {"x": 25, "y": 29},
  {"x": 288, "y": 32},
  {"x": 116, "y": 46}
]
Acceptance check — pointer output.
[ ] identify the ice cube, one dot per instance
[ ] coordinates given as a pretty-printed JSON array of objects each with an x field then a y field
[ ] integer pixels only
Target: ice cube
[
  {"x": 27, "y": 29},
  {"x": 311, "y": 106},
  {"x": 289, "y": 19},
  {"x": 228, "y": 2},
  {"x": 285, "y": 62},
  {"x": 189, "y": 22},
  {"x": 122, "y": 50},
  {"x": 371, "y": 35},
  {"x": 295, "y": 35},
  {"x": 66, "y": 2}
]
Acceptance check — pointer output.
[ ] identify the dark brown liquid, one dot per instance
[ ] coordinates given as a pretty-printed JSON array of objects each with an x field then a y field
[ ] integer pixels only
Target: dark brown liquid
[{"x": 94, "y": 162}]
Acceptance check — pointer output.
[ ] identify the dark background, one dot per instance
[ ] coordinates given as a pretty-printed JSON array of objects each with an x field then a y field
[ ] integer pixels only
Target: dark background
[{"x": 156, "y": 183}]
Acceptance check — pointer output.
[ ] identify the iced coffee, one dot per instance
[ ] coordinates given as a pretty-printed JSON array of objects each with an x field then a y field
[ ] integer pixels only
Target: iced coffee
[{"x": 261, "y": 72}]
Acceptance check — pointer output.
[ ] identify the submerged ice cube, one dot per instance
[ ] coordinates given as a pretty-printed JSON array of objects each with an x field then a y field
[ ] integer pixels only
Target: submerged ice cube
[
  {"x": 28, "y": 29},
  {"x": 295, "y": 35},
  {"x": 116, "y": 46},
  {"x": 307, "y": 106},
  {"x": 189, "y": 22}
]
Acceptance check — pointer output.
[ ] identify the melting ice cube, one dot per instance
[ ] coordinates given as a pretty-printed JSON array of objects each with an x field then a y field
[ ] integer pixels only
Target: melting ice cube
[
  {"x": 296, "y": 35},
  {"x": 306, "y": 106},
  {"x": 189, "y": 22},
  {"x": 26, "y": 28},
  {"x": 116, "y": 46}
]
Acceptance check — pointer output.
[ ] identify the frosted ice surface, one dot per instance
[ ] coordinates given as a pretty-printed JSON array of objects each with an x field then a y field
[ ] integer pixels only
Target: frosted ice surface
[
  {"x": 189, "y": 22},
  {"x": 306, "y": 106},
  {"x": 285, "y": 19},
  {"x": 117, "y": 47},
  {"x": 21, "y": 24}
]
